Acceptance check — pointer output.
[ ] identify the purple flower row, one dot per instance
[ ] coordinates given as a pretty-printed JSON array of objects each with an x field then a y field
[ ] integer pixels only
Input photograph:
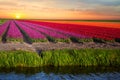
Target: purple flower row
[
  {"x": 13, "y": 31},
  {"x": 32, "y": 33}
]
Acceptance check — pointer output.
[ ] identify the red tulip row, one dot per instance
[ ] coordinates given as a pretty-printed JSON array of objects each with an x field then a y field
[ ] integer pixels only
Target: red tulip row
[{"x": 92, "y": 31}]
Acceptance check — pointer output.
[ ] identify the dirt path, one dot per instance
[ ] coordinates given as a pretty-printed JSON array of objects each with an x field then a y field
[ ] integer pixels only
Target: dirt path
[
  {"x": 52, "y": 46},
  {"x": 16, "y": 46}
]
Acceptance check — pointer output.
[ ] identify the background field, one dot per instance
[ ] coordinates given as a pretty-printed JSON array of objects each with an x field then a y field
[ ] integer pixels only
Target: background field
[
  {"x": 91, "y": 23},
  {"x": 59, "y": 31}
]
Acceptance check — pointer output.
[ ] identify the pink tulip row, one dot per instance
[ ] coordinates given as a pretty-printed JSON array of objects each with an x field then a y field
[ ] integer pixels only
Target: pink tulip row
[
  {"x": 46, "y": 31},
  {"x": 13, "y": 31},
  {"x": 3, "y": 27},
  {"x": 32, "y": 33},
  {"x": 55, "y": 32}
]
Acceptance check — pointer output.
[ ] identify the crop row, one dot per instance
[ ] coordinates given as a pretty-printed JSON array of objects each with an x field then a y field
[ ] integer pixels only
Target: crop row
[
  {"x": 51, "y": 35},
  {"x": 54, "y": 32},
  {"x": 92, "y": 31},
  {"x": 44, "y": 31},
  {"x": 32, "y": 33},
  {"x": 15, "y": 30},
  {"x": 29, "y": 32}
]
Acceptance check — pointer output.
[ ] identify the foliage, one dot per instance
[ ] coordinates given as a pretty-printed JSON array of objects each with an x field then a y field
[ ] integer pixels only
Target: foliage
[
  {"x": 2, "y": 21},
  {"x": 65, "y": 57}
]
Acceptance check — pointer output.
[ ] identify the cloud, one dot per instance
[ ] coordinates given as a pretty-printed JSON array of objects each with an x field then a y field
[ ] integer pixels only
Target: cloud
[
  {"x": 73, "y": 7},
  {"x": 8, "y": 3},
  {"x": 102, "y": 2}
]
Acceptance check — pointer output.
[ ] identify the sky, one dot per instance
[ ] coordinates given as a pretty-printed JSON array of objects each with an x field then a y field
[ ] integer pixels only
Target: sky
[{"x": 60, "y": 9}]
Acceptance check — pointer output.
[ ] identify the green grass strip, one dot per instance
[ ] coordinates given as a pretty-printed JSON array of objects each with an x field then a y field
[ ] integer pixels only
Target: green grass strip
[
  {"x": 19, "y": 59},
  {"x": 2, "y": 21},
  {"x": 82, "y": 57}
]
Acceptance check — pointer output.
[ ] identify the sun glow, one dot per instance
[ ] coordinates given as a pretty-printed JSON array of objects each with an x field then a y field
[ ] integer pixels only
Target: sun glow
[{"x": 18, "y": 16}]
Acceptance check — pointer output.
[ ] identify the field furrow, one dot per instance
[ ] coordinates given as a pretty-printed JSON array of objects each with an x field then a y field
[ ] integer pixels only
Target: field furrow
[
  {"x": 4, "y": 36},
  {"x": 3, "y": 28},
  {"x": 26, "y": 38},
  {"x": 33, "y": 34}
]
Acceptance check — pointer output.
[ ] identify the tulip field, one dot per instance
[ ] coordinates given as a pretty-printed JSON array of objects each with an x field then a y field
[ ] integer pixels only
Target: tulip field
[{"x": 39, "y": 31}]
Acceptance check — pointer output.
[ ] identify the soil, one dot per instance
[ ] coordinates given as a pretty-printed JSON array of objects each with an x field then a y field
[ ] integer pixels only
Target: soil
[{"x": 52, "y": 46}]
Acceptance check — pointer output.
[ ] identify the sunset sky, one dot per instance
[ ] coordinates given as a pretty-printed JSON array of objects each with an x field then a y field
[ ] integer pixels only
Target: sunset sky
[{"x": 60, "y": 9}]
